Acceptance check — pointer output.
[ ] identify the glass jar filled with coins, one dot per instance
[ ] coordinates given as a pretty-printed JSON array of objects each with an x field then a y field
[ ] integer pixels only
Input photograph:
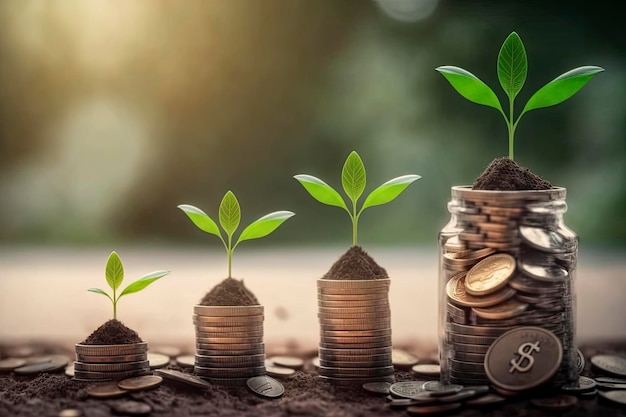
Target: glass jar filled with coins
[{"x": 507, "y": 266}]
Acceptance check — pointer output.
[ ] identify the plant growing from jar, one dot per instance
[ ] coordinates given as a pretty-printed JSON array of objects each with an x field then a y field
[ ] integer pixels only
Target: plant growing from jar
[{"x": 507, "y": 259}]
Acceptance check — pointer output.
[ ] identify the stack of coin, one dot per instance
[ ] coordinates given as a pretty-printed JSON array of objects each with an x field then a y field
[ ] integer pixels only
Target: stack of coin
[
  {"x": 99, "y": 363},
  {"x": 508, "y": 262},
  {"x": 229, "y": 343},
  {"x": 355, "y": 331}
]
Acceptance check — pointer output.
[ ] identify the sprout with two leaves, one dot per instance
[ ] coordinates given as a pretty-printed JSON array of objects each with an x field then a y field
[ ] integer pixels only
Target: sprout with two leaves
[
  {"x": 512, "y": 71},
  {"x": 229, "y": 217},
  {"x": 353, "y": 180},
  {"x": 114, "y": 274}
]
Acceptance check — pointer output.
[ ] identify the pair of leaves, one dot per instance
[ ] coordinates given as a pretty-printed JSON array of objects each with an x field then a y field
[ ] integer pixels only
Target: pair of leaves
[
  {"x": 114, "y": 273},
  {"x": 512, "y": 72},
  {"x": 229, "y": 216},
  {"x": 353, "y": 180}
]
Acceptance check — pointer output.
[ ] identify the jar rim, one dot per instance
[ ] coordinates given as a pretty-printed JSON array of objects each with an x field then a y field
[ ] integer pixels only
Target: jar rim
[{"x": 466, "y": 191}]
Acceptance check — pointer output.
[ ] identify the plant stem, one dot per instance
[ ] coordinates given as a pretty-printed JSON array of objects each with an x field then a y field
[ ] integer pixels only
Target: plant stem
[
  {"x": 229, "y": 251},
  {"x": 355, "y": 223},
  {"x": 114, "y": 305},
  {"x": 511, "y": 126}
]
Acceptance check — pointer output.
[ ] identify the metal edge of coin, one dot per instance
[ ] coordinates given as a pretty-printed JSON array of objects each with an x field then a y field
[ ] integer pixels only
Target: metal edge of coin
[{"x": 228, "y": 311}]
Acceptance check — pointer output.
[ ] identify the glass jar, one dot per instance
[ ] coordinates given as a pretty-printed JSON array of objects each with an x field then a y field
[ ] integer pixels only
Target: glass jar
[{"x": 506, "y": 261}]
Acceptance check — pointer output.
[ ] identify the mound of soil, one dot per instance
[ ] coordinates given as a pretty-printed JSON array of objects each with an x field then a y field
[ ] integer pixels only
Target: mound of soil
[
  {"x": 504, "y": 174},
  {"x": 230, "y": 292},
  {"x": 356, "y": 264},
  {"x": 113, "y": 332}
]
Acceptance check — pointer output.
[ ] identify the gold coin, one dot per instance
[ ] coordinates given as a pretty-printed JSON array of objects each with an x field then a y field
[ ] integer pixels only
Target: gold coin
[
  {"x": 490, "y": 274},
  {"x": 455, "y": 288}
]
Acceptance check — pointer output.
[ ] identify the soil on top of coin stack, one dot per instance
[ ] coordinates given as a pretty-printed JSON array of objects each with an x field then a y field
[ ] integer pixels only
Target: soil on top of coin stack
[
  {"x": 504, "y": 174},
  {"x": 113, "y": 332},
  {"x": 356, "y": 264},
  {"x": 230, "y": 292}
]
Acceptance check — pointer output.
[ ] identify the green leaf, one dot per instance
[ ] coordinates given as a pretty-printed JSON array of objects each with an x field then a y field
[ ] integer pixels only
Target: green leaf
[
  {"x": 389, "y": 191},
  {"x": 230, "y": 213},
  {"x": 265, "y": 225},
  {"x": 512, "y": 65},
  {"x": 200, "y": 219},
  {"x": 470, "y": 87},
  {"x": 143, "y": 282},
  {"x": 562, "y": 87},
  {"x": 353, "y": 176},
  {"x": 114, "y": 271},
  {"x": 99, "y": 291},
  {"x": 321, "y": 191}
]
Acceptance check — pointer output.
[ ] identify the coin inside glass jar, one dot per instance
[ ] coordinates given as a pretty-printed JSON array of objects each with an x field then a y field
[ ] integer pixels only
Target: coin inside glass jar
[{"x": 490, "y": 274}]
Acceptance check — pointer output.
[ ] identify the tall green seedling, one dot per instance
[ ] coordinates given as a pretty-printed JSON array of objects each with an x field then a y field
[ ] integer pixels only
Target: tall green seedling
[
  {"x": 229, "y": 216},
  {"x": 114, "y": 274},
  {"x": 353, "y": 180},
  {"x": 512, "y": 68}
]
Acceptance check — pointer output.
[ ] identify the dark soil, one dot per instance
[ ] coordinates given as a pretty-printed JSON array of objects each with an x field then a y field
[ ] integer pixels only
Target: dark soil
[
  {"x": 113, "y": 332},
  {"x": 356, "y": 264},
  {"x": 305, "y": 396},
  {"x": 504, "y": 174},
  {"x": 230, "y": 292}
]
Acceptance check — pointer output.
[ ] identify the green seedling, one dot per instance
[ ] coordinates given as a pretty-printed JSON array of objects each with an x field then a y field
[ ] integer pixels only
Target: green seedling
[
  {"x": 114, "y": 274},
  {"x": 512, "y": 71},
  {"x": 229, "y": 217},
  {"x": 353, "y": 180}
]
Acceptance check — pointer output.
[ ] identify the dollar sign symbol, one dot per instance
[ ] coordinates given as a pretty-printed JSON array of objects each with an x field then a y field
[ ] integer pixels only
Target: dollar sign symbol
[{"x": 525, "y": 353}]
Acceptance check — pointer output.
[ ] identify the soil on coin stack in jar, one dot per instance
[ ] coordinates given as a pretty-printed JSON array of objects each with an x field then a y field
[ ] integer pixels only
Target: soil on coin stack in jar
[
  {"x": 508, "y": 262},
  {"x": 229, "y": 334},
  {"x": 355, "y": 321}
]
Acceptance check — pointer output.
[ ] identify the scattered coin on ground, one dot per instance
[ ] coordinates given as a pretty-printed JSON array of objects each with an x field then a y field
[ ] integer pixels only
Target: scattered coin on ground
[
  {"x": 51, "y": 366},
  {"x": 610, "y": 364},
  {"x": 406, "y": 389},
  {"x": 614, "y": 397},
  {"x": 133, "y": 408},
  {"x": 316, "y": 361},
  {"x": 265, "y": 386},
  {"x": 69, "y": 370},
  {"x": 485, "y": 400},
  {"x": 179, "y": 376},
  {"x": 70, "y": 412},
  {"x": 279, "y": 371},
  {"x": 431, "y": 369},
  {"x": 401, "y": 359},
  {"x": 105, "y": 390},
  {"x": 10, "y": 364},
  {"x": 185, "y": 361},
  {"x": 158, "y": 360},
  {"x": 288, "y": 362},
  {"x": 381, "y": 388},
  {"x": 559, "y": 402},
  {"x": 140, "y": 383}
]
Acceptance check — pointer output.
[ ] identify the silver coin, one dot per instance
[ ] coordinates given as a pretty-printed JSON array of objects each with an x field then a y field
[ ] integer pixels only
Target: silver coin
[
  {"x": 279, "y": 371},
  {"x": 108, "y": 376},
  {"x": 10, "y": 364},
  {"x": 468, "y": 356},
  {"x": 215, "y": 372},
  {"x": 356, "y": 372},
  {"x": 406, "y": 389},
  {"x": 583, "y": 384},
  {"x": 292, "y": 362},
  {"x": 105, "y": 390},
  {"x": 610, "y": 386},
  {"x": 610, "y": 380},
  {"x": 523, "y": 358},
  {"x": 178, "y": 376},
  {"x": 426, "y": 369},
  {"x": 505, "y": 310},
  {"x": 215, "y": 342},
  {"x": 51, "y": 366},
  {"x": 545, "y": 240},
  {"x": 254, "y": 350},
  {"x": 401, "y": 359},
  {"x": 377, "y": 303},
  {"x": 265, "y": 386},
  {"x": 463, "y": 366},
  {"x": 112, "y": 359},
  {"x": 553, "y": 273},
  {"x": 353, "y": 283},
  {"x": 185, "y": 361},
  {"x": 157, "y": 360},
  {"x": 228, "y": 311},
  {"x": 525, "y": 284},
  {"x": 379, "y": 388},
  {"x": 111, "y": 350},
  {"x": 356, "y": 345},
  {"x": 470, "y": 339},
  {"x": 610, "y": 364},
  {"x": 471, "y": 348},
  {"x": 233, "y": 361},
  {"x": 477, "y": 330},
  {"x": 617, "y": 397}
]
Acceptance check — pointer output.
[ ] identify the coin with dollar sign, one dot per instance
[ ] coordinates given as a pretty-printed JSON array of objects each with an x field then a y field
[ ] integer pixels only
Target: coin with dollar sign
[{"x": 523, "y": 358}]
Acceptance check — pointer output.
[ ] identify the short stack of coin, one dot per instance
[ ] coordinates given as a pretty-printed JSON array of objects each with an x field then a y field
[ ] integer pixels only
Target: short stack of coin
[
  {"x": 355, "y": 331},
  {"x": 520, "y": 259},
  {"x": 229, "y": 343},
  {"x": 99, "y": 363}
]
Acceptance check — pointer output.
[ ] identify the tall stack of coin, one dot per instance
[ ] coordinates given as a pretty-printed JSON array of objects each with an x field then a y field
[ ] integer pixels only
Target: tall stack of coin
[
  {"x": 98, "y": 363},
  {"x": 229, "y": 343},
  {"x": 355, "y": 331},
  {"x": 507, "y": 260}
]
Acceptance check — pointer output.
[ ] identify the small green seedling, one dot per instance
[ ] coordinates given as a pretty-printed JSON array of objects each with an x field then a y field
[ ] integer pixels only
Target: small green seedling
[
  {"x": 115, "y": 275},
  {"x": 512, "y": 70},
  {"x": 353, "y": 181},
  {"x": 229, "y": 218}
]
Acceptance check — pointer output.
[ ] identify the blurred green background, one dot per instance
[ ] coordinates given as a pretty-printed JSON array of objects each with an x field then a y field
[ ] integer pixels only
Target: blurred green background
[{"x": 114, "y": 112}]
